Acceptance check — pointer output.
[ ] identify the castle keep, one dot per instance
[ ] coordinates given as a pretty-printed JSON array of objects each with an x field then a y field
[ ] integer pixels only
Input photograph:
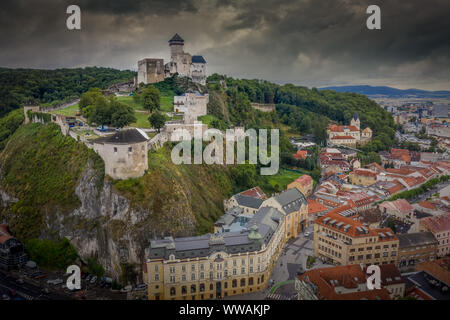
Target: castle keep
[{"x": 152, "y": 70}]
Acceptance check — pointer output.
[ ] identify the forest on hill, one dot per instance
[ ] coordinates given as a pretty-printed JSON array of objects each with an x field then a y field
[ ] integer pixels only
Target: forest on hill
[
  {"x": 306, "y": 110},
  {"x": 19, "y": 86}
]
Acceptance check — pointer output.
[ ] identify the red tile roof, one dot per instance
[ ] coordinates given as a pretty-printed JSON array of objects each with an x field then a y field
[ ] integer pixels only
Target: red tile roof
[
  {"x": 255, "y": 192},
  {"x": 304, "y": 180},
  {"x": 365, "y": 172},
  {"x": 437, "y": 224},
  {"x": 401, "y": 205},
  {"x": 327, "y": 279},
  {"x": 315, "y": 207},
  {"x": 336, "y": 128},
  {"x": 301, "y": 154}
]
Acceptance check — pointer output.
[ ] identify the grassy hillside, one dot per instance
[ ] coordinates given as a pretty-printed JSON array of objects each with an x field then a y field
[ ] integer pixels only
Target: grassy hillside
[
  {"x": 41, "y": 168},
  {"x": 169, "y": 190}
]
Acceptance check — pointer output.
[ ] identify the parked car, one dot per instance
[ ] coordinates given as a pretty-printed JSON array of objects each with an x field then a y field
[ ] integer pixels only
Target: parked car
[
  {"x": 126, "y": 289},
  {"x": 102, "y": 128},
  {"x": 93, "y": 280},
  {"x": 307, "y": 234},
  {"x": 89, "y": 277},
  {"x": 140, "y": 287},
  {"x": 55, "y": 281}
]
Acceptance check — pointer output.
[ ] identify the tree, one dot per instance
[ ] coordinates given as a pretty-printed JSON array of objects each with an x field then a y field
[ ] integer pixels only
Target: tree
[
  {"x": 157, "y": 120},
  {"x": 122, "y": 114},
  {"x": 151, "y": 99}
]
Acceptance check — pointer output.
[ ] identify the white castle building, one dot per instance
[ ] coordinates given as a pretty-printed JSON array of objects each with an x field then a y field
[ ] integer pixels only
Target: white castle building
[
  {"x": 192, "y": 104},
  {"x": 151, "y": 70}
]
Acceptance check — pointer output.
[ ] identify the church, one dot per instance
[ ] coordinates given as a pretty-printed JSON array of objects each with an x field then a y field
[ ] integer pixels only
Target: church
[
  {"x": 349, "y": 135},
  {"x": 153, "y": 70}
]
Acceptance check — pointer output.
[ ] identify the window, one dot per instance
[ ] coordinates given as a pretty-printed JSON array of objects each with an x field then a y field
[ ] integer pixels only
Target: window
[
  {"x": 183, "y": 268},
  {"x": 250, "y": 281},
  {"x": 183, "y": 290},
  {"x": 242, "y": 282},
  {"x": 172, "y": 279},
  {"x": 234, "y": 283},
  {"x": 183, "y": 277},
  {"x": 242, "y": 270},
  {"x": 193, "y": 277},
  {"x": 202, "y": 287},
  {"x": 172, "y": 291},
  {"x": 156, "y": 276},
  {"x": 115, "y": 149},
  {"x": 234, "y": 272},
  {"x": 130, "y": 149},
  {"x": 172, "y": 269},
  {"x": 202, "y": 267},
  {"x": 193, "y": 267},
  {"x": 193, "y": 288}
]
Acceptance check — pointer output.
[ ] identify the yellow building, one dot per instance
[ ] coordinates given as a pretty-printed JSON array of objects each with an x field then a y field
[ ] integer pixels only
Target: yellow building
[
  {"x": 341, "y": 240},
  {"x": 217, "y": 265},
  {"x": 362, "y": 177},
  {"x": 294, "y": 206},
  {"x": 304, "y": 184}
]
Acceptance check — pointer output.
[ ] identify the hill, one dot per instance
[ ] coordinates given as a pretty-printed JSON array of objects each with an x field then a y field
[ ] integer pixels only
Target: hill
[
  {"x": 389, "y": 92},
  {"x": 18, "y": 86}
]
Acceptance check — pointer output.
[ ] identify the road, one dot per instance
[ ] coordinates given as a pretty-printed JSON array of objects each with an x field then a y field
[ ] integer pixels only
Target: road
[{"x": 26, "y": 290}]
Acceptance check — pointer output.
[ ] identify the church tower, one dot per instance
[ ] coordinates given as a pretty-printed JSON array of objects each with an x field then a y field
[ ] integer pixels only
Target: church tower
[
  {"x": 355, "y": 120},
  {"x": 176, "y": 46}
]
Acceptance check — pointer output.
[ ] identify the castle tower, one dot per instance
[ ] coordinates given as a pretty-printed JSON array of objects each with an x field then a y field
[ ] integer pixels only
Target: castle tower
[
  {"x": 176, "y": 46},
  {"x": 355, "y": 120}
]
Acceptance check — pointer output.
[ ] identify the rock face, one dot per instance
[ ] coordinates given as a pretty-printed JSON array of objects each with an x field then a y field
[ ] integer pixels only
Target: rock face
[{"x": 112, "y": 221}]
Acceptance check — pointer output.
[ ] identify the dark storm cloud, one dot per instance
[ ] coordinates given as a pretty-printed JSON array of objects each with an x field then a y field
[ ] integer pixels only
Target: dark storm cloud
[{"x": 309, "y": 42}]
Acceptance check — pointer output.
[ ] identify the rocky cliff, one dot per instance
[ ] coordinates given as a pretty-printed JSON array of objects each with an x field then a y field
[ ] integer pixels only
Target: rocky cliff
[{"x": 53, "y": 187}]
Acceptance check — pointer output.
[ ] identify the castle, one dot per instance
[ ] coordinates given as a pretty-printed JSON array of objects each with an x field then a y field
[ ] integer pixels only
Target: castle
[
  {"x": 349, "y": 135},
  {"x": 153, "y": 70}
]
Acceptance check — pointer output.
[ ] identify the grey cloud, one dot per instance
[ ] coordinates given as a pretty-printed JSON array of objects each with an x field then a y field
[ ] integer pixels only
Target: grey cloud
[{"x": 309, "y": 42}]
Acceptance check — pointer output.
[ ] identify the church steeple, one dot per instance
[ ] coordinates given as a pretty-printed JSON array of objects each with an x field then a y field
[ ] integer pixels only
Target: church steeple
[{"x": 355, "y": 120}]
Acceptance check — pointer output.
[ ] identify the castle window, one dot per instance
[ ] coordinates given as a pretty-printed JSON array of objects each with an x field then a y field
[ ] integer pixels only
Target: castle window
[
  {"x": 115, "y": 149},
  {"x": 130, "y": 149}
]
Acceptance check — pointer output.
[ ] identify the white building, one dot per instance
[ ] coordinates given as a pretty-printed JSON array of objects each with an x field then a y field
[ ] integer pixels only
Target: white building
[{"x": 192, "y": 104}]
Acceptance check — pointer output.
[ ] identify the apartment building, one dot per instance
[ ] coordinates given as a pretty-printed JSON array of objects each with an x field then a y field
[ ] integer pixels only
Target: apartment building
[
  {"x": 343, "y": 240},
  {"x": 214, "y": 266},
  {"x": 294, "y": 206},
  {"x": 440, "y": 227},
  {"x": 415, "y": 248}
]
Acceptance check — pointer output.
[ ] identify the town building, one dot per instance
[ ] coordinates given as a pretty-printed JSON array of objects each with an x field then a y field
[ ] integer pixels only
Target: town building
[
  {"x": 294, "y": 206},
  {"x": 125, "y": 153},
  {"x": 315, "y": 210},
  {"x": 415, "y": 248},
  {"x": 347, "y": 282},
  {"x": 401, "y": 209},
  {"x": 440, "y": 227},
  {"x": 363, "y": 177},
  {"x": 342, "y": 240},
  {"x": 304, "y": 184},
  {"x": 192, "y": 105},
  {"x": 349, "y": 135},
  {"x": 248, "y": 204},
  {"x": 12, "y": 251},
  {"x": 214, "y": 266}
]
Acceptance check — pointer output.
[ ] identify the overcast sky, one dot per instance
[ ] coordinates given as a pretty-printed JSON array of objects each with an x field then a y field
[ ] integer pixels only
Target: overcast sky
[{"x": 306, "y": 42}]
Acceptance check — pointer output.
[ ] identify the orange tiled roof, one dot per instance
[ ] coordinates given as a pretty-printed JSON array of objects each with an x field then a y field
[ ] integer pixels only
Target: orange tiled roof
[
  {"x": 255, "y": 192},
  {"x": 354, "y": 226},
  {"x": 365, "y": 172},
  {"x": 315, "y": 207},
  {"x": 349, "y": 277},
  {"x": 301, "y": 154},
  {"x": 304, "y": 180},
  {"x": 427, "y": 205},
  {"x": 437, "y": 224},
  {"x": 336, "y": 128}
]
